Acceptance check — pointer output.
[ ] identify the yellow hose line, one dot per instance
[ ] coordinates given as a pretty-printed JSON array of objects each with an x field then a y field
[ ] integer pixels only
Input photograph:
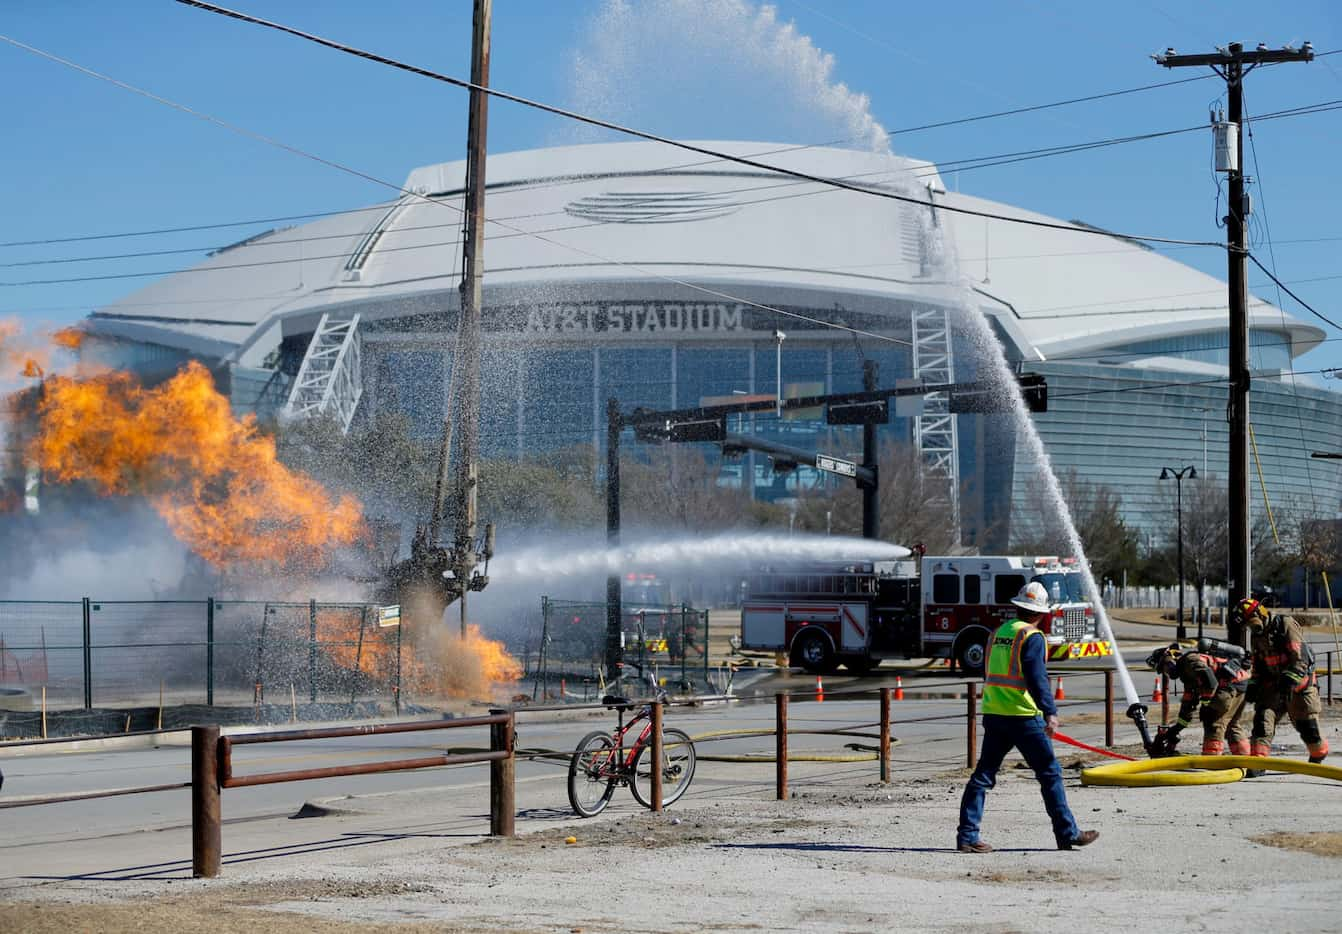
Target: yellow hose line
[{"x": 1215, "y": 770}]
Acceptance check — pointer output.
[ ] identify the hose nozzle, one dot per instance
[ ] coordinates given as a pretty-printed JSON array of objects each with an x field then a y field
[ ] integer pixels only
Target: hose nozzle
[{"x": 1137, "y": 713}]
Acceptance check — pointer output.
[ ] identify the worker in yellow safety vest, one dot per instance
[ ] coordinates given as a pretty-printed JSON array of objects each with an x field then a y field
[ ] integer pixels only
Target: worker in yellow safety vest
[{"x": 1019, "y": 713}]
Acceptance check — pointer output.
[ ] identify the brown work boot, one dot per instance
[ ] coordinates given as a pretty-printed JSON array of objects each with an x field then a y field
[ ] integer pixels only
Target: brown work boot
[
  {"x": 1084, "y": 838},
  {"x": 978, "y": 846}
]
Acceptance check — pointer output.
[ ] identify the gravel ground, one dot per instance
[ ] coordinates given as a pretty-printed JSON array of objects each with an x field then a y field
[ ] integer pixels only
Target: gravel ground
[{"x": 843, "y": 854}]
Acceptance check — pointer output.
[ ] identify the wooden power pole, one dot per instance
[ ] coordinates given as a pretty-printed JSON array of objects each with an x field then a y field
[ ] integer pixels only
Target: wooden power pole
[{"x": 1232, "y": 63}]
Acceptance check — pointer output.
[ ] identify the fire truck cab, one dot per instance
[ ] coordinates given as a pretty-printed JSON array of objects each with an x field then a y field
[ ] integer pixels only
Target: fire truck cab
[{"x": 858, "y": 613}]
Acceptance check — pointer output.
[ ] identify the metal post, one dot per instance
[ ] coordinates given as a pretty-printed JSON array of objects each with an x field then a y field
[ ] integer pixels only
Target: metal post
[
  {"x": 205, "y": 811},
  {"x": 88, "y": 657},
  {"x": 312, "y": 651},
  {"x": 358, "y": 654},
  {"x": 502, "y": 778},
  {"x": 972, "y": 733},
  {"x": 543, "y": 685},
  {"x": 1179, "y": 631},
  {"x": 1330, "y": 679},
  {"x": 780, "y": 745},
  {"x": 684, "y": 641},
  {"x": 209, "y": 652},
  {"x": 885, "y": 734},
  {"x": 705, "y": 638},
  {"x": 1109, "y": 708},
  {"x": 871, "y": 506},
  {"x": 658, "y": 752},
  {"x": 614, "y": 612},
  {"x": 396, "y": 690}
]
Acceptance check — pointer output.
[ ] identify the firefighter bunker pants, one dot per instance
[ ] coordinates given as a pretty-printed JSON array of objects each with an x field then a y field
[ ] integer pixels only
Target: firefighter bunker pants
[
  {"x": 1221, "y": 714},
  {"x": 1278, "y": 700}
]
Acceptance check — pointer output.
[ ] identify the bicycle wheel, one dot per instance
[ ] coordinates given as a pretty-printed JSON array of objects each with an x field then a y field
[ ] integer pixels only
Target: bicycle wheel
[
  {"x": 677, "y": 768},
  {"x": 591, "y": 781}
]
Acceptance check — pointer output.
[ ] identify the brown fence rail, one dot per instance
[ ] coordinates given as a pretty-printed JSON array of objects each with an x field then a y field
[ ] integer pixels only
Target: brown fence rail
[{"x": 212, "y": 771}]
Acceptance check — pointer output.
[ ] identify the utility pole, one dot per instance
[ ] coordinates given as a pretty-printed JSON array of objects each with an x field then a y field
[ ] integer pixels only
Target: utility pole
[
  {"x": 1232, "y": 63},
  {"x": 466, "y": 359},
  {"x": 871, "y": 490}
]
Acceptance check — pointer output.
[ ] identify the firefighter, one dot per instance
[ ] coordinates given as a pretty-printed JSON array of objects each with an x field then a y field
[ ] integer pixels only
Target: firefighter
[
  {"x": 1018, "y": 712},
  {"x": 1212, "y": 683},
  {"x": 1283, "y": 682}
]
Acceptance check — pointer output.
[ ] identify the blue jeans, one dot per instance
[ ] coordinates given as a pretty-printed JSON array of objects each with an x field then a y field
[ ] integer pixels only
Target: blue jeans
[{"x": 1000, "y": 735}]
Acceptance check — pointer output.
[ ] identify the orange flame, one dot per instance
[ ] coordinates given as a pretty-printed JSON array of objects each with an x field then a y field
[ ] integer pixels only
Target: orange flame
[
  {"x": 469, "y": 666},
  {"x": 214, "y": 478},
  {"x": 442, "y": 664}
]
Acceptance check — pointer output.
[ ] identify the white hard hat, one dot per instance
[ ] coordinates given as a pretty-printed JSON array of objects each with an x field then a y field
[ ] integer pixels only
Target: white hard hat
[{"x": 1032, "y": 597}]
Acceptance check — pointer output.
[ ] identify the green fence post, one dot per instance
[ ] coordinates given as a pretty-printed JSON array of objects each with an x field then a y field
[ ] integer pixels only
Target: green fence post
[
  {"x": 88, "y": 657},
  {"x": 312, "y": 651},
  {"x": 209, "y": 652},
  {"x": 397, "y": 690},
  {"x": 684, "y": 642},
  {"x": 705, "y": 638}
]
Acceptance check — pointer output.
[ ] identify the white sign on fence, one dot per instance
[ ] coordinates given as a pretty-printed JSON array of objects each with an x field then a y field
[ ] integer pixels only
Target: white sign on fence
[{"x": 389, "y": 615}]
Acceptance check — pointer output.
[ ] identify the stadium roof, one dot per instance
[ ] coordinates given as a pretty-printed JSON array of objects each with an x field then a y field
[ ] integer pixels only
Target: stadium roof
[{"x": 591, "y": 221}]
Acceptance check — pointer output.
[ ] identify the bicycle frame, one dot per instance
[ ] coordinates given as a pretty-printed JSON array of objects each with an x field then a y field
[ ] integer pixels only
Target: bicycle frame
[{"x": 618, "y": 765}]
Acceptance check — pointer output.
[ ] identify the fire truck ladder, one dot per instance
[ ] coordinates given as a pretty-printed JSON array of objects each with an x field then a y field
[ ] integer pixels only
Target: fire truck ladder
[
  {"x": 934, "y": 430},
  {"x": 330, "y": 379}
]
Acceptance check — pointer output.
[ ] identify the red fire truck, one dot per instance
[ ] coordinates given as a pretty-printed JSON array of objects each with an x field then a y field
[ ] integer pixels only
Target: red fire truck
[{"x": 858, "y": 613}]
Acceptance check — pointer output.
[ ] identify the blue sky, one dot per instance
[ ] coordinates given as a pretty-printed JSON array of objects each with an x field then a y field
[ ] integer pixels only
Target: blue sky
[{"x": 82, "y": 157}]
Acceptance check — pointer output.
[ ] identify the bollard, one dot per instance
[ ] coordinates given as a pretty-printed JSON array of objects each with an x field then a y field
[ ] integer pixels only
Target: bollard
[
  {"x": 780, "y": 745},
  {"x": 885, "y": 734},
  {"x": 658, "y": 752},
  {"x": 971, "y": 732},
  {"x": 502, "y": 778},
  {"x": 1109, "y": 708},
  {"x": 205, "y": 819}
]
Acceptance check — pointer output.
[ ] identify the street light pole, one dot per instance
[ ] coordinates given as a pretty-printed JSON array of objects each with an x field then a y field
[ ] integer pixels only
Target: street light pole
[{"x": 1191, "y": 472}]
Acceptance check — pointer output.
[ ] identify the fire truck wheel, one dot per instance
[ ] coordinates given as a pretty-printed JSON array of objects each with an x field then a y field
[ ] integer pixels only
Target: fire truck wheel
[
  {"x": 812, "y": 651},
  {"x": 971, "y": 653}
]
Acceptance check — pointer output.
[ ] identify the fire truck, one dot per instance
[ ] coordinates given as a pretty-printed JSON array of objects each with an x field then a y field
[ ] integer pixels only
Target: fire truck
[{"x": 856, "y": 614}]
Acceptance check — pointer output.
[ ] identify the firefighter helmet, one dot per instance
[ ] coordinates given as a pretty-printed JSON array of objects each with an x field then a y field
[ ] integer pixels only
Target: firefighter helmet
[
  {"x": 1165, "y": 658},
  {"x": 1252, "y": 613}
]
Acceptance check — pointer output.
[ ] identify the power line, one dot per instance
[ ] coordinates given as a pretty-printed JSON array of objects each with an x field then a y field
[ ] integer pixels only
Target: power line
[
  {"x": 1281, "y": 285},
  {"x": 335, "y": 165},
  {"x": 652, "y": 137}
]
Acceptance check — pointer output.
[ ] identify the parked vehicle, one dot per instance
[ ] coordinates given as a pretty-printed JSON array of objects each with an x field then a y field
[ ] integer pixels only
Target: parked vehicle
[{"x": 858, "y": 613}]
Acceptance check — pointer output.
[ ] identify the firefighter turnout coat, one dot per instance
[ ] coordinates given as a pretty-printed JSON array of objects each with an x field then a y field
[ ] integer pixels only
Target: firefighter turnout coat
[{"x": 1284, "y": 684}]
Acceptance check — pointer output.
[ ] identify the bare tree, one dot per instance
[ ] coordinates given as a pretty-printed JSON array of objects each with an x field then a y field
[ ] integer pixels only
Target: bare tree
[{"x": 1037, "y": 524}]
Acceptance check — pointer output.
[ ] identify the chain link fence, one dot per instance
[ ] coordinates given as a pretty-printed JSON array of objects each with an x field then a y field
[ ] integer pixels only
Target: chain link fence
[
  {"x": 668, "y": 642},
  {"x": 111, "y": 653}
]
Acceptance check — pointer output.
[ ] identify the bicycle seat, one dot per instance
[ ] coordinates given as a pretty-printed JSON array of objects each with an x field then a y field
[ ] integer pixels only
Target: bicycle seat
[{"x": 620, "y": 703}]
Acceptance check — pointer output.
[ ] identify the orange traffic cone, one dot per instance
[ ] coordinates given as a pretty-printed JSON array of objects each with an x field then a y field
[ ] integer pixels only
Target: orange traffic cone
[
  {"x": 819, "y": 689},
  {"x": 1157, "y": 696},
  {"x": 899, "y": 688},
  {"x": 1059, "y": 694}
]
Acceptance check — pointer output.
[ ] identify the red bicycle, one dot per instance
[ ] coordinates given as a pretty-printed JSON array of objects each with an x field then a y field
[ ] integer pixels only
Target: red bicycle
[{"x": 602, "y": 761}]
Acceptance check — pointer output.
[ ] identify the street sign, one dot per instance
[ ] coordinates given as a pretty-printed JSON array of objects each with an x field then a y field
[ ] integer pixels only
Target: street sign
[
  {"x": 389, "y": 615},
  {"x": 835, "y": 465}
]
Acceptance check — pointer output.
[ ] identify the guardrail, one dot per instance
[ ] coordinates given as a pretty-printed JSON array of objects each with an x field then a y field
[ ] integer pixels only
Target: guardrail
[{"x": 212, "y": 771}]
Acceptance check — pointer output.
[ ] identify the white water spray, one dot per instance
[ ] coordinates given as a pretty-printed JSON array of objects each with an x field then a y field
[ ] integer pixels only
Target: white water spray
[
  {"x": 640, "y": 57},
  {"x": 719, "y": 552}
]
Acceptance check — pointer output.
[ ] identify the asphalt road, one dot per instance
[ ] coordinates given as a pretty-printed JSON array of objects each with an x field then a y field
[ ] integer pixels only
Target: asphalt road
[{"x": 134, "y": 835}]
